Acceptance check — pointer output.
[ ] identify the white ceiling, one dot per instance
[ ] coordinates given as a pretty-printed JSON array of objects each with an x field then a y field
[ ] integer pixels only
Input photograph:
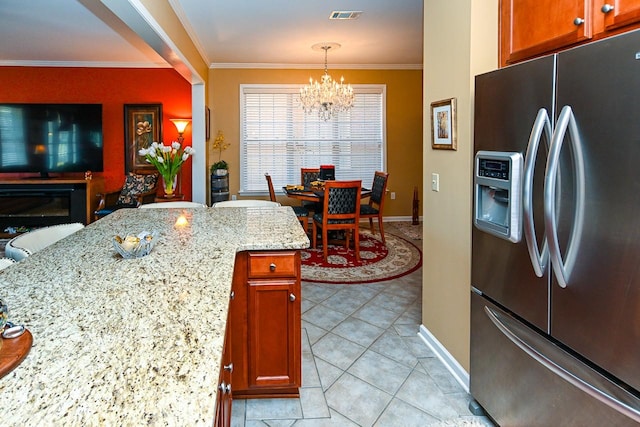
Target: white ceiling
[{"x": 228, "y": 33}]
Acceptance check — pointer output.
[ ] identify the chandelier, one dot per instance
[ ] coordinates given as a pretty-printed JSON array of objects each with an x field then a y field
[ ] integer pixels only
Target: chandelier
[{"x": 328, "y": 97}]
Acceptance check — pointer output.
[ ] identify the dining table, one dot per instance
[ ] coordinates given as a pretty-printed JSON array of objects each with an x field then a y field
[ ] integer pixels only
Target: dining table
[{"x": 313, "y": 194}]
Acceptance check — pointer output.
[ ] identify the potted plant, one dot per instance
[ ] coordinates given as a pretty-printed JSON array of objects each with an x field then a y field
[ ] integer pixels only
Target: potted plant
[{"x": 220, "y": 168}]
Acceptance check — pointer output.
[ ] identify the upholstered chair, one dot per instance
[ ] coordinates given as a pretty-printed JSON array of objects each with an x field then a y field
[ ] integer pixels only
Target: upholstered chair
[
  {"x": 340, "y": 211},
  {"x": 6, "y": 262},
  {"x": 20, "y": 247},
  {"x": 307, "y": 176},
  {"x": 137, "y": 190},
  {"x": 301, "y": 212},
  {"x": 376, "y": 202}
]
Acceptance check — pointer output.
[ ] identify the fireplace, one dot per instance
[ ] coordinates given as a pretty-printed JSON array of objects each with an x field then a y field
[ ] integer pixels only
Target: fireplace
[{"x": 36, "y": 206}]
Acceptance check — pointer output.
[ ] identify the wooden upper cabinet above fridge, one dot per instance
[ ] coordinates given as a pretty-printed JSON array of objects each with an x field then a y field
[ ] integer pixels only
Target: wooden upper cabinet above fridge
[
  {"x": 530, "y": 28},
  {"x": 619, "y": 13}
]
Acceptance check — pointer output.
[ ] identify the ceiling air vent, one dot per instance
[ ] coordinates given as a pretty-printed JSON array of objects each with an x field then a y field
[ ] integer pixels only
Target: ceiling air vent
[{"x": 345, "y": 14}]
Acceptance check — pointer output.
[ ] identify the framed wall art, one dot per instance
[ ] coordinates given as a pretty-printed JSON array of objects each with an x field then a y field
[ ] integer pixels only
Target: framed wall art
[
  {"x": 142, "y": 126},
  {"x": 207, "y": 123},
  {"x": 443, "y": 125}
]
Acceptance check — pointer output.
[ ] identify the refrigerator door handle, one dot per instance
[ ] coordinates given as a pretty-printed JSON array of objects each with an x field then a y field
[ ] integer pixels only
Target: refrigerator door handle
[
  {"x": 566, "y": 123},
  {"x": 539, "y": 259},
  {"x": 557, "y": 361}
]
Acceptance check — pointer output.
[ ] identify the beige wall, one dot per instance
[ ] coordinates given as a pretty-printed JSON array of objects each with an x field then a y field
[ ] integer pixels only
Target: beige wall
[
  {"x": 404, "y": 121},
  {"x": 459, "y": 42}
]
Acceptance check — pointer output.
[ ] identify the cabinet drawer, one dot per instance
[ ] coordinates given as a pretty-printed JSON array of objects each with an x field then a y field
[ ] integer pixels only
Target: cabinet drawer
[{"x": 272, "y": 264}]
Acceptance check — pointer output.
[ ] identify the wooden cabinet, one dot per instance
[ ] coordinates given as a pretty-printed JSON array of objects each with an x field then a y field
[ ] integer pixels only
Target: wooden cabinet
[
  {"x": 224, "y": 394},
  {"x": 265, "y": 314},
  {"x": 530, "y": 28}
]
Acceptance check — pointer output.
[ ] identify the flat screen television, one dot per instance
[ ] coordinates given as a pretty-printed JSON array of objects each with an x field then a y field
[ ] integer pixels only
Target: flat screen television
[{"x": 50, "y": 138}]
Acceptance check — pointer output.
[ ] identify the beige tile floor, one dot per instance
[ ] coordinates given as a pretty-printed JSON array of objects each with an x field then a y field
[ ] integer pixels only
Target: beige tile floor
[{"x": 364, "y": 364}]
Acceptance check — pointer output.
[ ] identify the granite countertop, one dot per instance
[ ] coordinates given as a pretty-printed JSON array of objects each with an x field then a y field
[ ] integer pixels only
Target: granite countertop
[{"x": 131, "y": 341}]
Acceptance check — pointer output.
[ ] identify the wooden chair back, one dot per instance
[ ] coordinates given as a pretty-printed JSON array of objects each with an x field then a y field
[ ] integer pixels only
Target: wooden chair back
[
  {"x": 272, "y": 193},
  {"x": 376, "y": 202},
  {"x": 308, "y": 175},
  {"x": 340, "y": 211}
]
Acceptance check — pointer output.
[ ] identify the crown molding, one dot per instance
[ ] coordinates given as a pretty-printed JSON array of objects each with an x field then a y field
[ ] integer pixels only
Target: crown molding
[
  {"x": 85, "y": 64},
  {"x": 316, "y": 67}
]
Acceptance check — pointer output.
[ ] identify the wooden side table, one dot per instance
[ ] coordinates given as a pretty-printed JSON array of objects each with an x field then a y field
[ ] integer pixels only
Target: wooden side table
[{"x": 176, "y": 198}]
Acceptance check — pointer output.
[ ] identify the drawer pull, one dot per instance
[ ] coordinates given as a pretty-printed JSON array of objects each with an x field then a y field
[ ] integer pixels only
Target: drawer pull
[
  {"x": 228, "y": 367},
  {"x": 272, "y": 267},
  {"x": 578, "y": 21},
  {"x": 292, "y": 297}
]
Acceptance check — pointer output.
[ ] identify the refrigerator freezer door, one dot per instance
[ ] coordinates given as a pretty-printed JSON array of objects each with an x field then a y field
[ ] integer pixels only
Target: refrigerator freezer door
[
  {"x": 519, "y": 387},
  {"x": 507, "y": 102},
  {"x": 597, "y": 313}
]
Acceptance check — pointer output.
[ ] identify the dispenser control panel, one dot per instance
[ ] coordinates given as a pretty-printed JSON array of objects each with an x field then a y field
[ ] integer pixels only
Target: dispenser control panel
[{"x": 498, "y": 194}]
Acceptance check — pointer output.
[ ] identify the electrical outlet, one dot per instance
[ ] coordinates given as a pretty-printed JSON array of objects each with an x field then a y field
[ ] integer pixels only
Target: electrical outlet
[
  {"x": 393, "y": 195},
  {"x": 435, "y": 182},
  {"x": 234, "y": 197}
]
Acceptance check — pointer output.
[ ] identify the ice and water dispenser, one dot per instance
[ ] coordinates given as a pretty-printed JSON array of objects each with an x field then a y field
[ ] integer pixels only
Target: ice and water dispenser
[{"x": 497, "y": 193}]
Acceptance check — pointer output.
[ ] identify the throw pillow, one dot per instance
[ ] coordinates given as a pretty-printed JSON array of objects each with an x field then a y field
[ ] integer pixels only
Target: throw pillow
[{"x": 135, "y": 185}]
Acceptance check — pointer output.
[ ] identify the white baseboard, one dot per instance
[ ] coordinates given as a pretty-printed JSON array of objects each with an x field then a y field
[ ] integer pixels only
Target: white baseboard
[
  {"x": 445, "y": 357},
  {"x": 396, "y": 219}
]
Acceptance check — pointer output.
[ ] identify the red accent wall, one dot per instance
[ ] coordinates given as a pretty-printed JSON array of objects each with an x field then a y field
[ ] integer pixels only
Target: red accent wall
[{"x": 111, "y": 87}]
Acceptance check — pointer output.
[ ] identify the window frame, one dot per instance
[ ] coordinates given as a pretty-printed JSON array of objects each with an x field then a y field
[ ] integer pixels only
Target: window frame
[{"x": 379, "y": 89}]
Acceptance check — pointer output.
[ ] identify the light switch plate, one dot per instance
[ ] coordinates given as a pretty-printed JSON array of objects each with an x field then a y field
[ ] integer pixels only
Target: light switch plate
[{"x": 435, "y": 182}]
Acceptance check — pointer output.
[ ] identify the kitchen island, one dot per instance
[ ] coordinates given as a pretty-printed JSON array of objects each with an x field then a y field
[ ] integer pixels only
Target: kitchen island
[{"x": 132, "y": 341}]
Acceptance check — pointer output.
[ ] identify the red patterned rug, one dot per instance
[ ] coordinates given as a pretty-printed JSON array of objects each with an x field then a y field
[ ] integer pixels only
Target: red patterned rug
[{"x": 377, "y": 261}]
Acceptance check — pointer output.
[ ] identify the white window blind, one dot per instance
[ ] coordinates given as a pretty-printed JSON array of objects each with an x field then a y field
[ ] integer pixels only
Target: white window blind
[{"x": 278, "y": 137}]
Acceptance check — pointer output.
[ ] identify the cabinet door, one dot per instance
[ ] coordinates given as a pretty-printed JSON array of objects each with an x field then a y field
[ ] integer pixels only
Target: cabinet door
[
  {"x": 619, "y": 13},
  {"x": 224, "y": 394},
  {"x": 274, "y": 333},
  {"x": 531, "y": 27}
]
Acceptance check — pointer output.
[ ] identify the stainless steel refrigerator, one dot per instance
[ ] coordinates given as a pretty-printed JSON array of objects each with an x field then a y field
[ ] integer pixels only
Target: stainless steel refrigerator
[{"x": 555, "y": 301}]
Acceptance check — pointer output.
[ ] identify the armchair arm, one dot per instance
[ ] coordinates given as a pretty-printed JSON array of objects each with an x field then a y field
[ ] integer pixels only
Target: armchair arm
[
  {"x": 107, "y": 199},
  {"x": 147, "y": 197}
]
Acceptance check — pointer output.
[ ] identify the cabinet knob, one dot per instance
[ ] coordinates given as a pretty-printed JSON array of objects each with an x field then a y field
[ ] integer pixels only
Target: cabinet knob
[
  {"x": 232, "y": 295},
  {"x": 228, "y": 389},
  {"x": 228, "y": 367},
  {"x": 223, "y": 387},
  {"x": 578, "y": 21},
  {"x": 292, "y": 297},
  {"x": 272, "y": 267},
  {"x": 606, "y": 8}
]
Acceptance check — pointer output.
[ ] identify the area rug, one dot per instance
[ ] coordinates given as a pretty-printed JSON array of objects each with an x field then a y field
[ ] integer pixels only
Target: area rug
[
  {"x": 412, "y": 231},
  {"x": 378, "y": 262}
]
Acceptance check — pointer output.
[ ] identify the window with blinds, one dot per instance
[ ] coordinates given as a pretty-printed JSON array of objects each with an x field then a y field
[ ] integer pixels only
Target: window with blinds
[{"x": 279, "y": 138}]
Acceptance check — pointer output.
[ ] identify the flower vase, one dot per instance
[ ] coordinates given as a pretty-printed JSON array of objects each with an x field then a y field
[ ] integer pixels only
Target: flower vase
[{"x": 169, "y": 184}]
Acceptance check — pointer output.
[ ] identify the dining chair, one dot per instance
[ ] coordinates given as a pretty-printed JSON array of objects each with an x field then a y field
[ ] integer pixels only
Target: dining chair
[
  {"x": 246, "y": 203},
  {"x": 301, "y": 212},
  {"x": 376, "y": 202},
  {"x": 176, "y": 204},
  {"x": 308, "y": 175},
  {"x": 340, "y": 211}
]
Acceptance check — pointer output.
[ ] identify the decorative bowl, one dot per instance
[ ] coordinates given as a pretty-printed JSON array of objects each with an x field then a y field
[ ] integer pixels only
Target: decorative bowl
[{"x": 135, "y": 246}]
